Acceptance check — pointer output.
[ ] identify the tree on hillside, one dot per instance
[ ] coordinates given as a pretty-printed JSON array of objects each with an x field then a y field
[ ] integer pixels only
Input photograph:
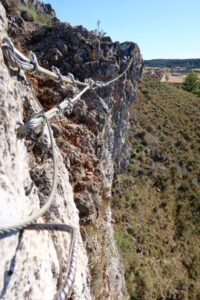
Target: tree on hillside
[
  {"x": 196, "y": 90},
  {"x": 166, "y": 77},
  {"x": 192, "y": 83}
]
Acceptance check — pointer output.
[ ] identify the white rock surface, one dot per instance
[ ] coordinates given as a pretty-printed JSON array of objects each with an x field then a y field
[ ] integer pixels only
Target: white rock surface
[{"x": 33, "y": 263}]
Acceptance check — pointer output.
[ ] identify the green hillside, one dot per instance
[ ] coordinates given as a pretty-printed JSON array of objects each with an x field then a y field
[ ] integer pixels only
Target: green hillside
[{"x": 156, "y": 204}]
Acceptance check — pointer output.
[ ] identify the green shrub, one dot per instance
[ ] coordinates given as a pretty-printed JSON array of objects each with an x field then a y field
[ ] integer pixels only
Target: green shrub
[
  {"x": 192, "y": 83},
  {"x": 39, "y": 18},
  {"x": 123, "y": 241}
]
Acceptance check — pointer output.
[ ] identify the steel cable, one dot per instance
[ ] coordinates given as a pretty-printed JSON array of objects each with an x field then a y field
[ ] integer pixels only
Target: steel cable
[
  {"x": 66, "y": 288},
  {"x": 20, "y": 225}
]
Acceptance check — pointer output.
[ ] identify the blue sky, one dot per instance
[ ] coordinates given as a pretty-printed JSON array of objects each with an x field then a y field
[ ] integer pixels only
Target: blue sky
[{"x": 161, "y": 28}]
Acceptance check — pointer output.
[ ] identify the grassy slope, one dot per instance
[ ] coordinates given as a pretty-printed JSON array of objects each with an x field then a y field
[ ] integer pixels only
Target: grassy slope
[{"x": 156, "y": 204}]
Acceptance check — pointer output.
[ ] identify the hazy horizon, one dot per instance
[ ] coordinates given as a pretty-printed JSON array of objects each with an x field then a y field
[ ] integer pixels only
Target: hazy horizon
[{"x": 177, "y": 58}]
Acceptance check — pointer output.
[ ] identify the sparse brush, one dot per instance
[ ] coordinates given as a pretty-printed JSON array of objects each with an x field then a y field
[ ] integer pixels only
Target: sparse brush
[
  {"x": 39, "y": 17},
  {"x": 13, "y": 6}
]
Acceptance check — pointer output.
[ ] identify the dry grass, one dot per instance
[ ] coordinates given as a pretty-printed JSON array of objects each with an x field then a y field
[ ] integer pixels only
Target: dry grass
[{"x": 13, "y": 6}]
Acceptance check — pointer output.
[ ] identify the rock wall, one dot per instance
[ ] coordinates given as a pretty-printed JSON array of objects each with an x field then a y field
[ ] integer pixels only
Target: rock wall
[
  {"x": 91, "y": 149},
  {"x": 32, "y": 263}
]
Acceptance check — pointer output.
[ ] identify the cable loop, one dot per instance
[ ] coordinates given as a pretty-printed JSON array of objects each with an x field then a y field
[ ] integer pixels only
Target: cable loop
[
  {"x": 56, "y": 71},
  {"x": 8, "y": 51},
  {"x": 10, "y": 45},
  {"x": 69, "y": 107},
  {"x": 71, "y": 77},
  {"x": 36, "y": 123},
  {"x": 34, "y": 62}
]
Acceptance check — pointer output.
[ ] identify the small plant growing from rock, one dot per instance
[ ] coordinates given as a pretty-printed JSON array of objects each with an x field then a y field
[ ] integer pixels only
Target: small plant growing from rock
[
  {"x": 14, "y": 6},
  {"x": 32, "y": 15},
  {"x": 100, "y": 34},
  {"x": 99, "y": 31}
]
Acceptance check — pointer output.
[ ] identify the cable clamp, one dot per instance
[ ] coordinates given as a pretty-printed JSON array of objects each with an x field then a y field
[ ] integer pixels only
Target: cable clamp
[
  {"x": 36, "y": 123},
  {"x": 66, "y": 109},
  {"x": 8, "y": 44},
  {"x": 56, "y": 71},
  {"x": 90, "y": 82}
]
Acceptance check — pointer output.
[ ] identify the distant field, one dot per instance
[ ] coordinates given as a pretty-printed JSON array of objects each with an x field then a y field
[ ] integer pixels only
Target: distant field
[{"x": 173, "y": 79}]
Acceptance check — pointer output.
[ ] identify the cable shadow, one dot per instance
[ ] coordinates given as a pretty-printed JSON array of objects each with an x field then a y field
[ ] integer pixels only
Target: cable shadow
[{"x": 10, "y": 271}]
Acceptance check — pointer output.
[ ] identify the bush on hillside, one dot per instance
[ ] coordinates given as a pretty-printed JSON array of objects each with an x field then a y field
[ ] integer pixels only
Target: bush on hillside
[
  {"x": 32, "y": 15},
  {"x": 192, "y": 83}
]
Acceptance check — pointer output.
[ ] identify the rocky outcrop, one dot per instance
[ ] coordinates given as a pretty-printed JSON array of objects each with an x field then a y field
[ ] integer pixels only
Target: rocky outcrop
[
  {"x": 39, "y": 6},
  {"x": 105, "y": 112},
  {"x": 91, "y": 149},
  {"x": 24, "y": 16},
  {"x": 12, "y": 7}
]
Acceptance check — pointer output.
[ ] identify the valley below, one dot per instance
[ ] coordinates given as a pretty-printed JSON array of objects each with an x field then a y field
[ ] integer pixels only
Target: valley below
[{"x": 156, "y": 202}]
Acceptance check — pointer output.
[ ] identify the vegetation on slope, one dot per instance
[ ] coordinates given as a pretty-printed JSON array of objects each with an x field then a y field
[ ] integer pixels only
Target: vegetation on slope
[
  {"x": 192, "y": 83},
  {"x": 156, "y": 203},
  {"x": 38, "y": 17}
]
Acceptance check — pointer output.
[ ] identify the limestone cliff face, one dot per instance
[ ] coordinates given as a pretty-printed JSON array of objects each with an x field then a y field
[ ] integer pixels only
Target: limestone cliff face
[
  {"x": 91, "y": 146},
  {"x": 32, "y": 263}
]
